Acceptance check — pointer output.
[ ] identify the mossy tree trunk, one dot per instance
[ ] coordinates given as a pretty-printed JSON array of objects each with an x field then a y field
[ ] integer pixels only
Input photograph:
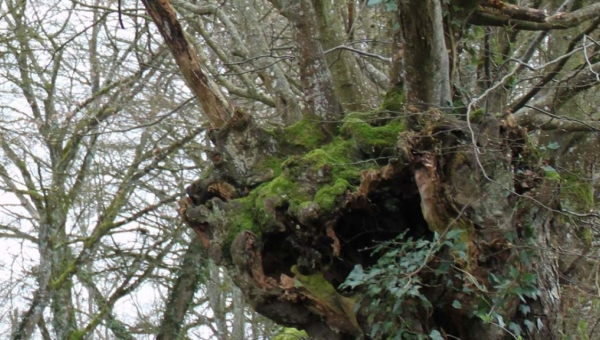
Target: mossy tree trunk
[{"x": 290, "y": 212}]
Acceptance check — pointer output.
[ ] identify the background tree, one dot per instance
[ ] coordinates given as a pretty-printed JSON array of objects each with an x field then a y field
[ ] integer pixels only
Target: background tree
[{"x": 96, "y": 144}]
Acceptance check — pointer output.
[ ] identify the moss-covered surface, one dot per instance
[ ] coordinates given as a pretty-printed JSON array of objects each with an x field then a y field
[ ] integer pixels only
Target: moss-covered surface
[
  {"x": 322, "y": 174},
  {"x": 77, "y": 335},
  {"x": 327, "y": 300},
  {"x": 394, "y": 101},
  {"x": 373, "y": 140},
  {"x": 306, "y": 134},
  {"x": 328, "y": 196},
  {"x": 291, "y": 334},
  {"x": 272, "y": 163},
  {"x": 576, "y": 194}
]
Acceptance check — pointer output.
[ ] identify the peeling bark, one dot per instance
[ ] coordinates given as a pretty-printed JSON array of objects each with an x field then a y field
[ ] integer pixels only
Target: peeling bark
[{"x": 214, "y": 103}]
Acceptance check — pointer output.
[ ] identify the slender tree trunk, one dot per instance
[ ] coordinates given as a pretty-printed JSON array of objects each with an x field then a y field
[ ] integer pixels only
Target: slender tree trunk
[
  {"x": 426, "y": 66},
  {"x": 216, "y": 299},
  {"x": 239, "y": 317},
  {"x": 181, "y": 297},
  {"x": 349, "y": 82},
  {"x": 316, "y": 77}
]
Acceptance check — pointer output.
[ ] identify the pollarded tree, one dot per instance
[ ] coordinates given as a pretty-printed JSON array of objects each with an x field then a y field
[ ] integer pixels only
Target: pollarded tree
[{"x": 445, "y": 166}]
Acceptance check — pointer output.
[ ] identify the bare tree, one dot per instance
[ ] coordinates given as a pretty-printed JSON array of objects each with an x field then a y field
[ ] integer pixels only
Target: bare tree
[{"x": 97, "y": 140}]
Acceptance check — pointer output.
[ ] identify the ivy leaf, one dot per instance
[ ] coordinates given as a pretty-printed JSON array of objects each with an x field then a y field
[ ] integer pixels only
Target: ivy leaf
[
  {"x": 456, "y": 304},
  {"x": 435, "y": 335},
  {"x": 530, "y": 325},
  {"x": 454, "y": 234},
  {"x": 515, "y": 328},
  {"x": 540, "y": 324},
  {"x": 500, "y": 320},
  {"x": 374, "y": 2},
  {"x": 525, "y": 309}
]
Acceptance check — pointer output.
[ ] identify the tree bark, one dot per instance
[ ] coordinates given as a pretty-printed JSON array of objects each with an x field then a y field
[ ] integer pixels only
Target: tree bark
[
  {"x": 315, "y": 74},
  {"x": 426, "y": 66},
  {"x": 215, "y": 104},
  {"x": 182, "y": 293}
]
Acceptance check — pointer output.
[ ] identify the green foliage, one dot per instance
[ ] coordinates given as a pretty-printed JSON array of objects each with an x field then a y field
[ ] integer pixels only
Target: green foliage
[
  {"x": 392, "y": 289},
  {"x": 520, "y": 281},
  {"x": 393, "y": 283}
]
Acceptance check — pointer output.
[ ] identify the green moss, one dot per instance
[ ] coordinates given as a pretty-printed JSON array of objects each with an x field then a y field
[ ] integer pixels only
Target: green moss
[
  {"x": 316, "y": 284},
  {"x": 337, "y": 158},
  {"x": 377, "y": 140},
  {"x": 476, "y": 116},
  {"x": 240, "y": 220},
  {"x": 364, "y": 133},
  {"x": 343, "y": 154},
  {"x": 305, "y": 133},
  {"x": 394, "y": 100},
  {"x": 316, "y": 173},
  {"x": 551, "y": 173},
  {"x": 588, "y": 235},
  {"x": 327, "y": 196},
  {"x": 317, "y": 288},
  {"x": 576, "y": 194},
  {"x": 64, "y": 276},
  {"x": 277, "y": 194},
  {"x": 291, "y": 334},
  {"x": 77, "y": 335},
  {"x": 270, "y": 163}
]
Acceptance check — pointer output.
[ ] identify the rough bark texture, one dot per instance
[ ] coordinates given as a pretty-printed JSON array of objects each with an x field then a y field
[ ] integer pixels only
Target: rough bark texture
[
  {"x": 214, "y": 103},
  {"x": 182, "y": 294},
  {"x": 426, "y": 67},
  {"x": 315, "y": 74}
]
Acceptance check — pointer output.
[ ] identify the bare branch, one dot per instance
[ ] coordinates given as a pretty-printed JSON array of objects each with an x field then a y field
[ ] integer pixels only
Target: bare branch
[
  {"x": 524, "y": 18},
  {"x": 353, "y": 50},
  {"x": 533, "y": 119},
  {"x": 215, "y": 104}
]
